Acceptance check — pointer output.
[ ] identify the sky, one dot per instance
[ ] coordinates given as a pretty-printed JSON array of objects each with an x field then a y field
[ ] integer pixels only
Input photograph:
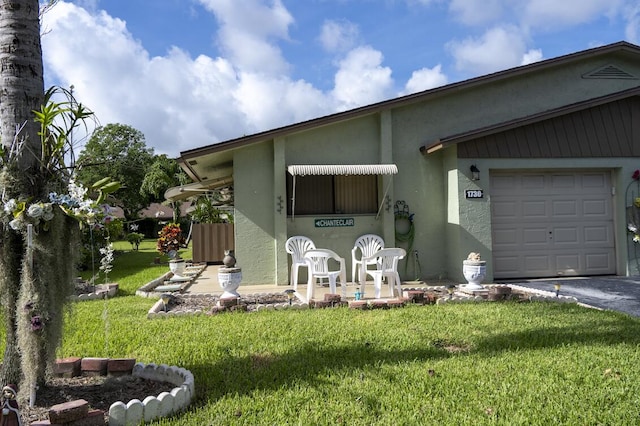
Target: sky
[{"x": 191, "y": 73}]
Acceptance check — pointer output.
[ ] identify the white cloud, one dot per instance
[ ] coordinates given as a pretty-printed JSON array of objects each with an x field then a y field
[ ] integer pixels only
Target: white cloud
[
  {"x": 338, "y": 36},
  {"x": 632, "y": 29},
  {"x": 553, "y": 14},
  {"x": 246, "y": 28},
  {"x": 497, "y": 49},
  {"x": 361, "y": 79},
  {"x": 180, "y": 102},
  {"x": 475, "y": 12},
  {"x": 533, "y": 55},
  {"x": 424, "y": 79}
]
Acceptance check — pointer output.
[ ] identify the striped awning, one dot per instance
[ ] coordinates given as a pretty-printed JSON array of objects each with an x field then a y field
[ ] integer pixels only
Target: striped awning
[{"x": 342, "y": 169}]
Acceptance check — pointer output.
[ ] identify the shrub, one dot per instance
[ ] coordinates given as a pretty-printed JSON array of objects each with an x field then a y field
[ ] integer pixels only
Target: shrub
[{"x": 170, "y": 239}]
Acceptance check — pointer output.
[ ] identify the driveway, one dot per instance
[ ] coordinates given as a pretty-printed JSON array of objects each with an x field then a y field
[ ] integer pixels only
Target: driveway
[{"x": 613, "y": 293}]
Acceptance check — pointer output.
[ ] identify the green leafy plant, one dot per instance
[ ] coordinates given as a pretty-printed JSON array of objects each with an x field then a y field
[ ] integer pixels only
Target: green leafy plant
[
  {"x": 170, "y": 239},
  {"x": 135, "y": 238},
  {"x": 205, "y": 211}
]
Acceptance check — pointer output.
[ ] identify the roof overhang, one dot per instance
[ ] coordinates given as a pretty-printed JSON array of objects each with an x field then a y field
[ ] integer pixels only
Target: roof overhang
[
  {"x": 342, "y": 169},
  {"x": 189, "y": 190}
]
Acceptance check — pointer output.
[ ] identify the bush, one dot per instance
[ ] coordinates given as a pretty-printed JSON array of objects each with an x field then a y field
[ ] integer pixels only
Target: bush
[
  {"x": 135, "y": 238},
  {"x": 170, "y": 239}
]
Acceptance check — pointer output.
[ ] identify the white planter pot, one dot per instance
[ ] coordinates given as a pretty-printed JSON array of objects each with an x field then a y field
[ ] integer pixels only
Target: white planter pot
[
  {"x": 177, "y": 267},
  {"x": 474, "y": 272},
  {"x": 229, "y": 279}
]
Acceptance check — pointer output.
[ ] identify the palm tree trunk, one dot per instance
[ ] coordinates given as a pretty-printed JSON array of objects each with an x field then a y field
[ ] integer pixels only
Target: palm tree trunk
[{"x": 21, "y": 92}]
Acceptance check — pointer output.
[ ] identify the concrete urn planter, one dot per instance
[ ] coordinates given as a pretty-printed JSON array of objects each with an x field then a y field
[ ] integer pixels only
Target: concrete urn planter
[
  {"x": 474, "y": 271},
  {"x": 177, "y": 266}
]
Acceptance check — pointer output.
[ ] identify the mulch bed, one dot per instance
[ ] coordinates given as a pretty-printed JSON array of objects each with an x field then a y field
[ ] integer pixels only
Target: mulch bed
[{"x": 99, "y": 391}]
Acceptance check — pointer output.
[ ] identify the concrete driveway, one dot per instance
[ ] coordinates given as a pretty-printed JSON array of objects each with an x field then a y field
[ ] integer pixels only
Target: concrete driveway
[{"x": 612, "y": 293}]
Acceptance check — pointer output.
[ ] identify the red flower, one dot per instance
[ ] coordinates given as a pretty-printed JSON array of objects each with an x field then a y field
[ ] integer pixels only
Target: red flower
[{"x": 636, "y": 175}]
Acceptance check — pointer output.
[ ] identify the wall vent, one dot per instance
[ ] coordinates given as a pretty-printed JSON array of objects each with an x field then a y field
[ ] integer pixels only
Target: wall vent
[
  {"x": 192, "y": 162},
  {"x": 609, "y": 71}
]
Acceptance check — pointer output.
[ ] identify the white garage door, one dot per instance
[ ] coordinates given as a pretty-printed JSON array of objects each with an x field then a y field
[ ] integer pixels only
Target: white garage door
[{"x": 548, "y": 224}]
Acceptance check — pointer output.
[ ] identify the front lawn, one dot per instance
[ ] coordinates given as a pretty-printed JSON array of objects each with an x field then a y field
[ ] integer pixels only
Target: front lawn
[{"x": 508, "y": 363}]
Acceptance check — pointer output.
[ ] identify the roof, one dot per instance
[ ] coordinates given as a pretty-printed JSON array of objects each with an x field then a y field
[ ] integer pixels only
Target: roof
[
  {"x": 535, "y": 118},
  {"x": 621, "y": 46}
]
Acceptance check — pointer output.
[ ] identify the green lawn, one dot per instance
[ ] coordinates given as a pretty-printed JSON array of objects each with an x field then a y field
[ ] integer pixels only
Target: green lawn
[{"x": 509, "y": 363}]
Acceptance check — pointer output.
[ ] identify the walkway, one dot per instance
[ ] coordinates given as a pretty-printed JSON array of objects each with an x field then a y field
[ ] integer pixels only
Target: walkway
[{"x": 207, "y": 283}]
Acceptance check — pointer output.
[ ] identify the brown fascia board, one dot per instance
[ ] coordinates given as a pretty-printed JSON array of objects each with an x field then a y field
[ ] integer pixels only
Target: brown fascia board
[
  {"x": 407, "y": 100},
  {"x": 530, "y": 119}
]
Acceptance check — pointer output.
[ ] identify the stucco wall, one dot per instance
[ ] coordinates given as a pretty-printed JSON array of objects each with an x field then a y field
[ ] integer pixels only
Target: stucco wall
[{"x": 254, "y": 213}]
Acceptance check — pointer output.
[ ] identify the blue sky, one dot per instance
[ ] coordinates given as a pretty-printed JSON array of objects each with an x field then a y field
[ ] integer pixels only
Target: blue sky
[{"x": 189, "y": 73}]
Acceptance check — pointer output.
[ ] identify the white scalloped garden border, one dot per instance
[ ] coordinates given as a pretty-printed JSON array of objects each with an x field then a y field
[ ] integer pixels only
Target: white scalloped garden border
[{"x": 153, "y": 407}]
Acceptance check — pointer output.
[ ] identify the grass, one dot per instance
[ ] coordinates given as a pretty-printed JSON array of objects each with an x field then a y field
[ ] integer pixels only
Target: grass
[{"x": 454, "y": 364}]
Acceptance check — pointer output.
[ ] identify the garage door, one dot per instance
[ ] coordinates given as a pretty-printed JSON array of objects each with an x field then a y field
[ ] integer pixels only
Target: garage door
[{"x": 548, "y": 224}]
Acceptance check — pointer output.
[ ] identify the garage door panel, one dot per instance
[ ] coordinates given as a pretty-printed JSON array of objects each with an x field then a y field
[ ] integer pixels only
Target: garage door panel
[
  {"x": 552, "y": 223},
  {"x": 595, "y": 181},
  {"x": 535, "y": 237},
  {"x": 505, "y": 210},
  {"x": 599, "y": 261},
  {"x": 508, "y": 264},
  {"x": 567, "y": 264},
  {"x": 537, "y": 263},
  {"x": 595, "y": 209},
  {"x": 599, "y": 235},
  {"x": 564, "y": 209},
  {"x": 564, "y": 236}
]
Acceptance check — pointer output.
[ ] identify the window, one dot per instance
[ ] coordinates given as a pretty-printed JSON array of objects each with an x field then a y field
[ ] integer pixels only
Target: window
[{"x": 333, "y": 194}]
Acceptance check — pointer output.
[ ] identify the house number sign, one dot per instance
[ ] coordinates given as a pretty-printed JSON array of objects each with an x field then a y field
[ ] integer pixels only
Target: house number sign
[
  {"x": 334, "y": 223},
  {"x": 474, "y": 193}
]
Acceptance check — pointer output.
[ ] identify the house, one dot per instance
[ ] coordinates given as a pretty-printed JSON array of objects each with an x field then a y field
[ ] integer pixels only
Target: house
[{"x": 531, "y": 167}]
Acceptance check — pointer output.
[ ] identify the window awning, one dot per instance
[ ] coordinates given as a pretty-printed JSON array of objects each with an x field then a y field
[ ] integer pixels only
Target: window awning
[
  {"x": 189, "y": 190},
  {"x": 339, "y": 170},
  {"x": 342, "y": 169}
]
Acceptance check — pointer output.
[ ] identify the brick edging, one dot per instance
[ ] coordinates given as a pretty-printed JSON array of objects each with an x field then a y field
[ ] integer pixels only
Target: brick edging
[{"x": 135, "y": 411}]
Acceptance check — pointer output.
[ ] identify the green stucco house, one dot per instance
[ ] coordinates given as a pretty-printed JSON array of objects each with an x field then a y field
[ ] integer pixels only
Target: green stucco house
[{"x": 530, "y": 167}]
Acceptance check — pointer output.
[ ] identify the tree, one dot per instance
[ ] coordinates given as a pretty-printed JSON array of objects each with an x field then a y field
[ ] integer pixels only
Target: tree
[
  {"x": 21, "y": 91},
  {"x": 119, "y": 152},
  {"x": 163, "y": 174}
]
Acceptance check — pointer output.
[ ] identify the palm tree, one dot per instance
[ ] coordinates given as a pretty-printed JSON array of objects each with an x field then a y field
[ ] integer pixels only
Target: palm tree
[{"x": 21, "y": 92}]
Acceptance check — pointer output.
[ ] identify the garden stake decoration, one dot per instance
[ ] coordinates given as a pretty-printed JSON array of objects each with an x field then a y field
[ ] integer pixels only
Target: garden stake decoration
[
  {"x": 290, "y": 293},
  {"x": 451, "y": 289},
  {"x": 557, "y": 287}
]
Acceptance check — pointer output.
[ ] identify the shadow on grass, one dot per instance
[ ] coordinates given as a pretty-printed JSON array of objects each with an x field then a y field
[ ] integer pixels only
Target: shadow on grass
[{"x": 244, "y": 375}]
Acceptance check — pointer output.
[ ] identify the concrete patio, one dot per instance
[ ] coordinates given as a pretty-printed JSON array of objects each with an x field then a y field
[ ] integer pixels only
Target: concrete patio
[{"x": 207, "y": 283}]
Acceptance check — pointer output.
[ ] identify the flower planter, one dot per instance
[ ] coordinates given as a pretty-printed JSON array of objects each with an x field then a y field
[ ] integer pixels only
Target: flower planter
[
  {"x": 177, "y": 266},
  {"x": 474, "y": 272}
]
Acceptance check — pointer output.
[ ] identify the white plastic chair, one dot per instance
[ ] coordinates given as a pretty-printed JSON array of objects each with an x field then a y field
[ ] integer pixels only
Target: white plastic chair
[
  {"x": 318, "y": 264},
  {"x": 367, "y": 245},
  {"x": 386, "y": 261},
  {"x": 296, "y": 246}
]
